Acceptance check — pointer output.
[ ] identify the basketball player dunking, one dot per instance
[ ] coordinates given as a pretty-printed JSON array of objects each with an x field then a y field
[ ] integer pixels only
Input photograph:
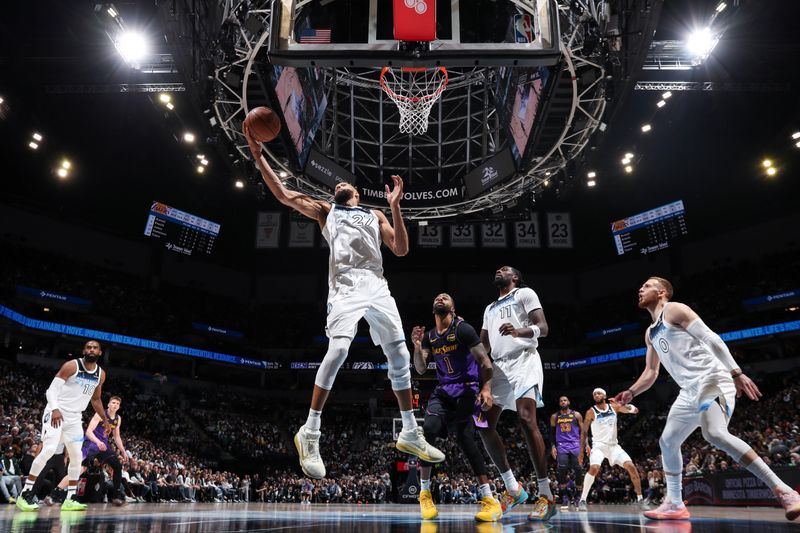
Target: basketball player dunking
[
  {"x": 457, "y": 403},
  {"x": 566, "y": 451},
  {"x": 356, "y": 289},
  {"x": 710, "y": 381},
  {"x": 512, "y": 325},
  {"x": 78, "y": 382}
]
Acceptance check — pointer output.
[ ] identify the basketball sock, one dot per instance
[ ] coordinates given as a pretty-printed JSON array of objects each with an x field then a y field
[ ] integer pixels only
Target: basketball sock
[
  {"x": 760, "y": 469},
  {"x": 639, "y": 497},
  {"x": 484, "y": 490},
  {"x": 673, "y": 488},
  {"x": 588, "y": 480},
  {"x": 409, "y": 422},
  {"x": 70, "y": 492},
  {"x": 544, "y": 488},
  {"x": 314, "y": 419},
  {"x": 28, "y": 484},
  {"x": 425, "y": 484},
  {"x": 510, "y": 481}
]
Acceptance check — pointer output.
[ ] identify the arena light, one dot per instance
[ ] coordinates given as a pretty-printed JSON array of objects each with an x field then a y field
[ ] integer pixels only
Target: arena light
[
  {"x": 239, "y": 184},
  {"x": 66, "y": 164},
  {"x": 646, "y": 128},
  {"x": 112, "y": 12},
  {"x": 200, "y": 169},
  {"x": 546, "y": 183},
  {"x": 170, "y": 106},
  {"x": 283, "y": 174},
  {"x": 200, "y": 156},
  {"x": 37, "y": 137},
  {"x": 33, "y": 145},
  {"x": 797, "y": 144},
  {"x": 626, "y": 161},
  {"x": 591, "y": 183},
  {"x": 204, "y": 162},
  {"x": 591, "y": 174},
  {"x": 629, "y": 169},
  {"x": 766, "y": 163},
  {"x": 62, "y": 172},
  {"x": 666, "y": 95},
  {"x": 701, "y": 43},
  {"x": 795, "y": 135},
  {"x": 628, "y": 155},
  {"x": 164, "y": 98},
  {"x": 721, "y": 7},
  {"x": 1, "y": 100},
  {"x": 188, "y": 137},
  {"x": 661, "y": 103},
  {"x": 132, "y": 46},
  {"x": 771, "y": 171},
  {"x": 46, "y": 309}
]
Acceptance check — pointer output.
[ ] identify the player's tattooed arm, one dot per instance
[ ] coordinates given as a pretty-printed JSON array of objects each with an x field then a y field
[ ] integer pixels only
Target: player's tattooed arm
[
  {"x": 420, "y": 354},
  {"x": 485, "y": 369}
]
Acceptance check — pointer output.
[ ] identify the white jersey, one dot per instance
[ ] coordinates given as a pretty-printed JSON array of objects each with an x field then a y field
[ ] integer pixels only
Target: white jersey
[
  {"x": 687, "y": 359},
  {"x": 78, "y": 389},
  {"x": 604, "y": 426},
  {"x": 354, "y": 238},
  {"x": 512, "y": 308}
]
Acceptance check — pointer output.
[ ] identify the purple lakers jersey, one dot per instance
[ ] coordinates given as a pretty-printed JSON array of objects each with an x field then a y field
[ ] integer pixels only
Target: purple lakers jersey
[
  {"x": 89, "y": 447},
  {"x": 456, "y": 368},
  {"x": 568, "y": 432}
]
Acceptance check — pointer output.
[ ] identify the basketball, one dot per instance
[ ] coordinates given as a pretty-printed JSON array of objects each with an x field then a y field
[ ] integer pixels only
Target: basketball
[{"x": 263, "y": 123}]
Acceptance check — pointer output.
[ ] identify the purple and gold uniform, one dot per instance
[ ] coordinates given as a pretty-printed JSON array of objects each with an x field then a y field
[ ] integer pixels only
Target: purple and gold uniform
[
  {"x": 568, "y": 440},
  {"x": 90, "y": 449},
  {"x": 457, "y": 371}
]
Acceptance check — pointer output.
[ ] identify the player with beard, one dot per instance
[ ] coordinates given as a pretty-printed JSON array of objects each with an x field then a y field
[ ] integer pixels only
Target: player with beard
[
  {"x": 78, "y": 382},
  {"x": 356, "y": 289},
  {"x": 458, "y": 402},
  {"x": 566, "y": 451},
  {"x": 602, "y": 418},
  {"x": 710, "y": 381},
  {"x": 511, "y": 329}
]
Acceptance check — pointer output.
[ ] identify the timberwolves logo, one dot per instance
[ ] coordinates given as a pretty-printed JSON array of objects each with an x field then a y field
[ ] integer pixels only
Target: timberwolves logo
[{"x": 662, "y": 343}]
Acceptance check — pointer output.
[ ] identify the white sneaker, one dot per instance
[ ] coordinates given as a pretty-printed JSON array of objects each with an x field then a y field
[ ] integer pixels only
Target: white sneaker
[
  {"x": 582, "y": 507},
  {"x": 413, "y": 441},
  {"x": 307, "y": 444}
]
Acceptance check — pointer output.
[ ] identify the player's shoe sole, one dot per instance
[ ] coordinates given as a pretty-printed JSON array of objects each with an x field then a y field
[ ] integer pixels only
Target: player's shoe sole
[
  {"x": 413, "y": 442},
  {"x": 668, "y": 511},
  {"x": 72, "y": 505}
]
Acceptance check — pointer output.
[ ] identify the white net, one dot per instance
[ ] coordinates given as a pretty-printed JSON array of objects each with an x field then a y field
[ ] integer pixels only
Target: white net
[{"x": 414, "y": 90}]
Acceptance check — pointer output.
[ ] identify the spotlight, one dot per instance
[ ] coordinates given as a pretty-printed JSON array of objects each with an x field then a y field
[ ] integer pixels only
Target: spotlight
[
  {"x": 188, "y": 137},
  {"x": 283, "y": 174},
  {"x": 111, "y": 12},
  {"x": 132, "y": 46},
  {"x": 66, "y": 164},
  {"x": 628, "y": 169},
  {"x": 170, "y": 106},
  {"x": 200, "y": 156},
  {"x": 33, "y": 145},
  {"x": 201, "y": 169},
  {"x": 546, "y": 183},
  {"x": 626, "y": 161},
  {"x": 795, "y": 135},
  {"x": 628, "y": 155},
  {"x": 591, "y": 174},
  {"x": 701, "y": 43},
  {"x": 591, "y": 183},
  {"x": 771, "y": 171},
  {"x": 164, "y": 98},
  {"x": 766, "y": 163},
  {"x": 46, "y": 309},
  {"x": 1, "y": 100},
  {"x": 661, "y": 103},
  {"x": 721, "y": 7},
  {"x": 239, "y": 184},
  {"x": 204, "y": 162},
  {"x": 797, "y": 144},
  {"x": 646, "y": 128},
  {"x": 37, "y": 137},
  {"x": 62, "y": 172},
  {"x": 666, "y": 95}
]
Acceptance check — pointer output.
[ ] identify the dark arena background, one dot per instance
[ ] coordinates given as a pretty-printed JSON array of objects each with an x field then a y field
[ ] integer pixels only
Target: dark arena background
[{"x": 590, "y": 144}]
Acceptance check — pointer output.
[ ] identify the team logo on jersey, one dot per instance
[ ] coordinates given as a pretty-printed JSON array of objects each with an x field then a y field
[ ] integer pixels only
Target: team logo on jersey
[
  {"x": 662, "y": 343},
  {"x": 451, "y": 337}
]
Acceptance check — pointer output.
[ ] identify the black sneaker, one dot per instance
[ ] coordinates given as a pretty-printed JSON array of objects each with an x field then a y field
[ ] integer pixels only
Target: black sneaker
[{"x": 56, "y": 497}]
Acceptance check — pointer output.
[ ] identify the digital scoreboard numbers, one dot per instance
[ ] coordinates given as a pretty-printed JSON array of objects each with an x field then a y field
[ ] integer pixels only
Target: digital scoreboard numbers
[
  {"x": 181, "y": 232},
  {"x": 650, "y": 231}
]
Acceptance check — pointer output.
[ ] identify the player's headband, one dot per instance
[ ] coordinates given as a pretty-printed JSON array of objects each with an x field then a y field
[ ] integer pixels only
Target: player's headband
[{"x": 598, "y": 389}]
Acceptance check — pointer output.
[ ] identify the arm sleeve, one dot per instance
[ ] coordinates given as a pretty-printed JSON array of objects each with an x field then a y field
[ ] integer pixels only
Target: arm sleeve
[
  {"x": 466, "y": 335},
  {"x": 529, "y": 299},
  {"x": 53, "y": 391},
  {"x": 703, "y": 333},
  {"x": 426, "y": 341}
]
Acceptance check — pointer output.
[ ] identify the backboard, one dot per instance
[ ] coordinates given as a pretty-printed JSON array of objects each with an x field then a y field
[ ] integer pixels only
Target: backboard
[{"x": 361, "y": 33}]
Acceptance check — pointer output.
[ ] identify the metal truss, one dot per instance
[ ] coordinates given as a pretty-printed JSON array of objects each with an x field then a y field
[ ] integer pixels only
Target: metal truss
[
  {"x": 359, "y": 130},
  {"x": 100, "y": 88},
  {"x": 750, "y": 86},
  {"x": 669, "y": 55}
]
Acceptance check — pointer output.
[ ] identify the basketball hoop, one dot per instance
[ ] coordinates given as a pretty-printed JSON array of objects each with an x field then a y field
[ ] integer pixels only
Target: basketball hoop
[{"x": 414, "y": 90}]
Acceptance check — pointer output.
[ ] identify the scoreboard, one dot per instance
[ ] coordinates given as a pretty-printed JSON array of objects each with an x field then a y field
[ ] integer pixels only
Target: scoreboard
[
  {"x": 181, "y": 232},
  {"x": 650, "y": 231}
]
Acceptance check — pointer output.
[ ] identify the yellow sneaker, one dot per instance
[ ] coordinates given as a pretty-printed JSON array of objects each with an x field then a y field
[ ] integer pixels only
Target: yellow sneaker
[
  {"x": 426, "y": 506},
  {"x": 490, "y": 510},
  {"x": 71, "y": 505}
]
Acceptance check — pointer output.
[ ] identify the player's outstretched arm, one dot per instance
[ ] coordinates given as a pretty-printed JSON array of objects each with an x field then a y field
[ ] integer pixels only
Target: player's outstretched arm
[
  {"x": 118, "y": 439},
  {"x": 685, "y": 317},
  {"x": 395, "y": 237},
  {"x": 314, "y": 209},
  {"x": 646, "y": 380},
  {"x": 485, "y": 369}
]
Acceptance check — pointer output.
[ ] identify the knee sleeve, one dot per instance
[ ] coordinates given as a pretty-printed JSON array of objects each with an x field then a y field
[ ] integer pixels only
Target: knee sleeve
[
  {"x": 75, "y": 453},
  {"x": 671, "y": 457},
  {"x": 714, "y": 425},
  {"x": 334, "y": 357},
  {"x": 399, "y": 365},
  {"x": 466, "y": 441}
]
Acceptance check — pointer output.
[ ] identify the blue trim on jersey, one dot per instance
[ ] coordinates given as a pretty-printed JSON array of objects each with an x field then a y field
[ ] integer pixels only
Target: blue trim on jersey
[
  {"x": 504, "y": 298},
  {"x": 348, "y": 208}
]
